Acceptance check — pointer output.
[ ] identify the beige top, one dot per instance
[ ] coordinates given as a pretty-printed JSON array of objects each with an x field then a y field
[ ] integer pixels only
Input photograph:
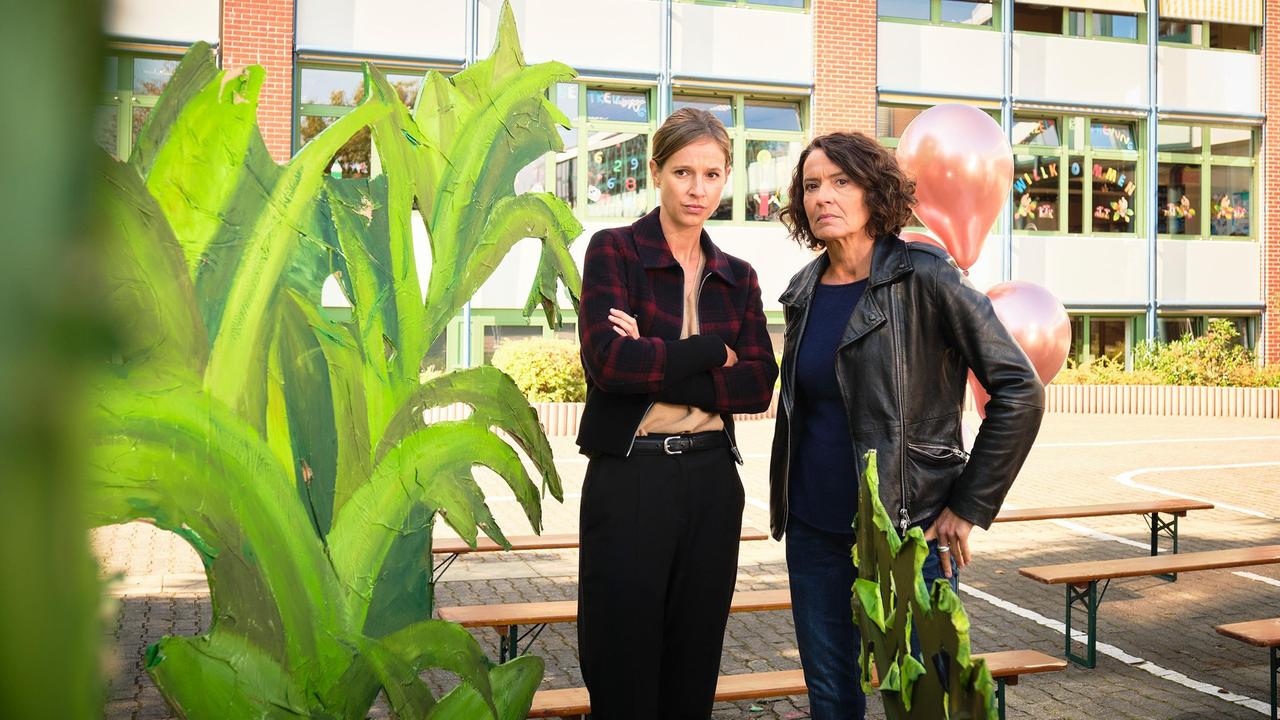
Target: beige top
[{"x": 671, "y": 419}]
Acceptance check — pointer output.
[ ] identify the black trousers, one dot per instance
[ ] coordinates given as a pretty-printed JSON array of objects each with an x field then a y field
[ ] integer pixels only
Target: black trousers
[{"x": 658, "y": 562}]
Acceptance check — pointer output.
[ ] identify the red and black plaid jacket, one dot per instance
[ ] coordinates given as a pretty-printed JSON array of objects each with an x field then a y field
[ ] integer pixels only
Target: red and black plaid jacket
[{"x": 632, "y": 269}]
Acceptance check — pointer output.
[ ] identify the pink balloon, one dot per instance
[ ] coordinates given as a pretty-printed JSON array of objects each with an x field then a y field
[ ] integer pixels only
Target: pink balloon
[
  {"x": 912, "y": 236},
  {"x": 1040, "y": 325},
  {"x": 963, "y": 168}
]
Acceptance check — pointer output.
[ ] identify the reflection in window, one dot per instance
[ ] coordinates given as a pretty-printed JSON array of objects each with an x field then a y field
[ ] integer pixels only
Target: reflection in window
[
  {"x": 722, "y": 108},
  {"x": 891, "y": 121},
  {"x": 617, "y": 174},
  {"x": 345, "y": 88},
  {"x": 1231, "y": 141},
  {"x": 764, "y": 115},
  {"x": 1177, "y": 328},
  {"x": 353, "y": 159},
  {"x": 1114, "y": 184},
  {"x": 1036, "y": 131},
  {"x": 967, "y": 13},
  {"x": 1115, "y": 26},
  {"x": 1181, "y": 31},
  {"x": 1076, "y": 23},
  {"x": 770, "y": 164},
  {"x": 1178, "y": 138},
  {"x": 618, "y": 105},
  {"x": 106, "y": 129},
  {"x": 1112, "y": 136},
  {"x": 151, "y": 76},
  {"x": 495, "y": 335},
  {"x": 1035, "y": 193},
  {"x": 1077, "y": 338},
  {"x": 1231, "y": 210},
  {"x": 909, "y": 9},
  {"x": 1178, "y": 195}
]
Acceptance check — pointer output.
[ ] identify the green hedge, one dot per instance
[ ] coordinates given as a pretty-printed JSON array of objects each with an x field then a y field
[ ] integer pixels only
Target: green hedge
[
  {"x": 1213, "y": 359},
  {"x": 545, "y": 369}
]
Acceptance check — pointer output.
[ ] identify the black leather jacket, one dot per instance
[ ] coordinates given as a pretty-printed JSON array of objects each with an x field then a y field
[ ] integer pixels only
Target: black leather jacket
[{"x": 902, "y": 365}]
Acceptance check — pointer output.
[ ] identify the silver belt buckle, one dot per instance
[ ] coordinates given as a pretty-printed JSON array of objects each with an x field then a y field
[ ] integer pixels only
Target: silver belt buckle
[{"x": 666, "y": 445}]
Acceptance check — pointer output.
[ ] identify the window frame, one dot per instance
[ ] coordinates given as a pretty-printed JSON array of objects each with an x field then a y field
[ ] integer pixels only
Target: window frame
[
  {"x": 1255, "y": 46},
  {"x": 124, "y": 100},
  {"x": 935, "y": 18},
  {"x": 1134, "y": 332},
  {"x": 1088, "y": 155},
  {"x": 1207, "y": 161},
  {"x": 740, "y": 135},
  {"x": 753, "y": 4},
  {"x": 1140, "y": 35}
]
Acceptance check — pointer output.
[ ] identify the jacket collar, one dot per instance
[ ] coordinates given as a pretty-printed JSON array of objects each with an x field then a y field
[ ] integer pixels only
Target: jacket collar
[
  {"x": 654, "y": 252},
  {"x": 890, "y": 260}
]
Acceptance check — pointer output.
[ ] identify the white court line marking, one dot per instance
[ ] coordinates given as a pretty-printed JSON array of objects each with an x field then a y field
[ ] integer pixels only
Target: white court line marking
[
  {"x": 1114, "y": 652},
  {"x": 1127, "y": 479},
  {"x": 1259, "y": 578}
]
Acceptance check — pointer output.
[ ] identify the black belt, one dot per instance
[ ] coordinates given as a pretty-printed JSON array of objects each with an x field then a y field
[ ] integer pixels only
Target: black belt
[{"x": 677, "y": 444}]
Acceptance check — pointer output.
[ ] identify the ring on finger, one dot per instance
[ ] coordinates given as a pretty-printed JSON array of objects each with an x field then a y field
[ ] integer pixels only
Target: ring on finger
[{"x": 944, "y": 548}]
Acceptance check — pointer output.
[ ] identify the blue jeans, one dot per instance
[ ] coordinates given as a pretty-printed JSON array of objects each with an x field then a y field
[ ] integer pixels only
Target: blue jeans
[{"x": 820, "y": 565}]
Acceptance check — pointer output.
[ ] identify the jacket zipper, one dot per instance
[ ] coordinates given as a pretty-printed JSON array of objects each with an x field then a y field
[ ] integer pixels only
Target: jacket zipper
[
  {"x": 954, "y": 452},
  {"x": 903, "y": 514}
]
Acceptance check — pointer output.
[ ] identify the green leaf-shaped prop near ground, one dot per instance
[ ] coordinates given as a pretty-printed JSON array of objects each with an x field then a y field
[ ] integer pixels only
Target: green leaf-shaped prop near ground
[
  {"x": 889, "y": 600},
  {"x": 289, "y": 449}
]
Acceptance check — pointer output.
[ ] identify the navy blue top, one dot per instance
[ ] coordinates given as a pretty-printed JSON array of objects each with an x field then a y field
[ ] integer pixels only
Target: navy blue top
[{"x": 824, "y": 486}]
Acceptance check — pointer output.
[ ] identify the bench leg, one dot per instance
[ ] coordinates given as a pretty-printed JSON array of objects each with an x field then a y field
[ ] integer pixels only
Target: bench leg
[
  {"x": 1088, "y": 599},
  {"x": 1170, "y": 528},
  {"x": 438, "y": 569},
  {"x": 1000, "y": 697},
  {"x": 509, "y": 642},
  {"x": 1275, "y": 675}
]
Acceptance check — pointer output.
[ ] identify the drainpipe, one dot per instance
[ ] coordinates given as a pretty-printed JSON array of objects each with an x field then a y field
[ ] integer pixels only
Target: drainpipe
[
  {"x": 1152, "y": 166},
  {"x": 1006, "y": 121},
  {"x": 472, "y": 30}
]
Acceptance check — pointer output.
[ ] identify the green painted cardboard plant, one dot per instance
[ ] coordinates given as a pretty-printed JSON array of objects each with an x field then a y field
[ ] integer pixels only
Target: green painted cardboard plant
[
  {"x": 889, "y": 599},
  {"x": 289, "y": 449}
]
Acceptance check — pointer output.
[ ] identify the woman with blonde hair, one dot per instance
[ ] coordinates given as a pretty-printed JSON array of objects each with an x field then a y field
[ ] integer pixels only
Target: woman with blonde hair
[{"x": 674, "y": 341}]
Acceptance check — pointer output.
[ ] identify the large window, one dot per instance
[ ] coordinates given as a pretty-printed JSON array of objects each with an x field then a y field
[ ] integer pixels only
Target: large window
[
  {"x": 1097, "y": 336},
  {"x": 326, "y": 93},
  {"x": 131, "y": 85},
  {"x": 790, "y": 4},
  {"x": 1178, "y": 326},
  {"x": 1206, "y": 179},
  {"x": 1076, "y": 175},
  {"x": 1125, "y": 24},
  {"x": 972, "y": 13}
]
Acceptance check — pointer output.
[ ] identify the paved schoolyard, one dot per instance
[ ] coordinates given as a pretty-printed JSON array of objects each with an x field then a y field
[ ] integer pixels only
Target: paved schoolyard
[{"x": 1158, "y": 654}]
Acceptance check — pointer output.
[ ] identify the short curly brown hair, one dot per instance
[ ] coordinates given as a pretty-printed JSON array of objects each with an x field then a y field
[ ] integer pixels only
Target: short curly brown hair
[{"x": 888, "y": 193}]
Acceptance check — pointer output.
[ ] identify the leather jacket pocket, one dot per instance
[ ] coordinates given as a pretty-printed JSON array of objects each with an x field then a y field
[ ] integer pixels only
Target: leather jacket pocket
[{"x": 933, "y": 469}]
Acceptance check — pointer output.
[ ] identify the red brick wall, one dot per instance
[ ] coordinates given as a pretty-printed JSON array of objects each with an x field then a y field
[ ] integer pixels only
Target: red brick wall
[
  {"x": 1267, "y": 201},
  {"x": 844, "y": 49},
  {"x": 260, "y": 32}
]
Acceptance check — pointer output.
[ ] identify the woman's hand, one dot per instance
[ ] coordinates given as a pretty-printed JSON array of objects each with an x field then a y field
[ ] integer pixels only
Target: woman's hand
[
  {"x": 624, "y": 324},
  {"x": 952, "y": 533},
  {"x": 731, "y": 358}
]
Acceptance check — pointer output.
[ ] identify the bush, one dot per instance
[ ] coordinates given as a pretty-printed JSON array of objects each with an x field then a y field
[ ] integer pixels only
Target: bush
[
  {"x": 546, "y": 370},
  {"x": 1214, "y": 358},
  {"x": 1104, "y": 371}
]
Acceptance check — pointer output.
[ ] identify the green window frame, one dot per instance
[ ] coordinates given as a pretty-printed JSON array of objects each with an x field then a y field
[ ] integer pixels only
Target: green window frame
[
  {"x": 1082, "y": 330},
  {"x": 1207, "y": 160},
  {"x": 743, "y": 136},
  {"x": 1083, "y": 19},
  {"x": 1204, "y": 42},
  {"x": 128, "y": 103},
  {"x": 1198, "y": 324},
  {"x": 935, "y": 17},
  {"x": 306, "y": 112},
  {"x": 784, "y": 5},
  {"x": 1075, "y": 150}
]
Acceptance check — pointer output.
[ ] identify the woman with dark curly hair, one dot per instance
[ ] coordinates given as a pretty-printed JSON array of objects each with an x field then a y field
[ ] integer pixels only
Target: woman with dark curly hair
[{"x": 880, "y": 336}]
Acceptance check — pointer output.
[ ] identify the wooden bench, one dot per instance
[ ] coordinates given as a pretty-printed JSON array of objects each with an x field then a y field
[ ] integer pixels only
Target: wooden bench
[
  {"x": 1081, "y": 580},
  {"x": 1262, "y": 633},
  {"x": 1005, "y": 667},
  {"x": 506, "y": 619},
  {"x": 451, "y": 548},
  {"x": 1172, "y": 508}
]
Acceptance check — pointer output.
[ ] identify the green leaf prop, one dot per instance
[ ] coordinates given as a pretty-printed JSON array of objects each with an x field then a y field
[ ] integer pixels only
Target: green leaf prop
[
  {"x": 889, "y": 599},
  {"x": 290, "y": 449}
]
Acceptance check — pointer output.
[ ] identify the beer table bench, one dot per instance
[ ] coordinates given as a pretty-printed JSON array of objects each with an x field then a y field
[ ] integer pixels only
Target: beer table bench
[
  {"x": 1081, "y": 581},
  {"x": 451, "y": 548},
  {"x": 507, "y": 618},
  {"x": 1262, "y": 633},
  {"x": 1172, "y": 508},
  {"x": 1006, "y": 668}
]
